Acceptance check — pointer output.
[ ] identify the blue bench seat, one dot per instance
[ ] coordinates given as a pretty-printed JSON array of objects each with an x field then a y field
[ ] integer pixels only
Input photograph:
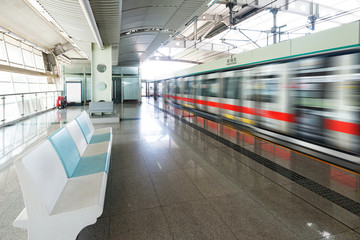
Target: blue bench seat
[{"x": 76, "y": 165}]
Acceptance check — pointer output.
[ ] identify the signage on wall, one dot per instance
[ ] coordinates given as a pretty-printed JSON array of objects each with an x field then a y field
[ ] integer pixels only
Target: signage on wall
[{"x": 231, "y": 60}]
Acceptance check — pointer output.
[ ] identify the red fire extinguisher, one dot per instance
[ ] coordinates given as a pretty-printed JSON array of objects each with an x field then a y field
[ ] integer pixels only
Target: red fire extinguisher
[{"x": 60, "y": 102}]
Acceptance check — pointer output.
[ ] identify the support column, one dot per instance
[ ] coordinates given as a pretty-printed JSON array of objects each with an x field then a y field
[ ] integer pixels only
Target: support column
[{"x": 101, "y": 72}]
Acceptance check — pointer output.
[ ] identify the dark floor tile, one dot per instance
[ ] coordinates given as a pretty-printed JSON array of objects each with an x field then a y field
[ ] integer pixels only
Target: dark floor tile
[
  {"x": 174, "y": 186},
  {"x": 337, "y": 212},
  {"x": 145, "y": 224},
  {"x": 348, "y": 235},
  {"x": 162, "y": 164},
  {"x": 249, "y": 220},
  {"x": 97, "y": 231},
  {"x": 296, "y": 214},
  {"x": 196, "y": 220},
  {"x": 210, "y": 182},
  {"x": 132, "y": 194}
]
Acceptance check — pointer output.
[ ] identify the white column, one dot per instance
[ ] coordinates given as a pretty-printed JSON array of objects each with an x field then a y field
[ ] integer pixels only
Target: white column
[{"x": 101, "y": 81}]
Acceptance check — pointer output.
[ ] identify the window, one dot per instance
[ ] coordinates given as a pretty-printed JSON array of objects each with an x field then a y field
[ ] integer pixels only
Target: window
[
  {"x": 209, "y": 88},
  {"x": 269, "y": 89},
  {"x": 14, "y": 53},
  {"x": 39, "y": 61},
  {"x": 231, "y": 87},
  {"x": 28, "y": 59}
]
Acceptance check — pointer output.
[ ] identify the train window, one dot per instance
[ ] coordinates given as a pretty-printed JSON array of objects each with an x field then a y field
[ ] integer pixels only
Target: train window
[
  {"x": 352, "y": 93},
  {"x": 187, "y": 87},
  {"x": 269, "y": 89},
  {"x": 178, "y": 88},
  {"x": 210, "y": 88},
  {"x": 231, "y": 88}
]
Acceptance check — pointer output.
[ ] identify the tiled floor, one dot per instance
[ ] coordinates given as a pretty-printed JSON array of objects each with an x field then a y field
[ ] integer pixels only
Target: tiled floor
[{"x": 169, "y": 181}]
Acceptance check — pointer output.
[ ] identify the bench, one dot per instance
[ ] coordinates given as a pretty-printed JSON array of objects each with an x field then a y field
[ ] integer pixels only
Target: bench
[
  {"x": 63, "y": 181},
  {"x": 101, "y": 107}
]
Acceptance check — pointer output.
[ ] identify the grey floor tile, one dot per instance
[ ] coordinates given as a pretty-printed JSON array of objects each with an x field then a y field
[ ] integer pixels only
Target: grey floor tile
[
  {"x": 210, "y": 182},
  {"x": 337, "y": 212},
  {"x": 174, "y": 186},
  {"x": 196, "y": 220},
  {"x": 161, "y": 164},
  {"x": 189, "y": 160},
  {"x": 146, "y": 224},
  {"x": 97, "y": 231},
  {"x": 348, "y": 235},
  {"x": 11, "y": 205},
  {"x": 296, "y": 214},
  {"x": 132, "y": 194},
  {"x": 107, "y": 202},
  {"x": 249, "y": 220},
  {"x": 129, "y": 167}
]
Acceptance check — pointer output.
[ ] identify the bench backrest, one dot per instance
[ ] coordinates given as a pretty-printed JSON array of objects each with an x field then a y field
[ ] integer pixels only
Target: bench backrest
[
  {"x": 42, "y": 178},
  {"x": 66, "y": 148},
  {"x": 78, "y": 136},
  {"x": 86, "y": 125},
  {"x": 101, "y": 106}
]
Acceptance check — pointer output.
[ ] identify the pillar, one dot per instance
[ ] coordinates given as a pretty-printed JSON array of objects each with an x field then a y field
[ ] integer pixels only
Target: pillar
[{"x": 101, "y": 72}]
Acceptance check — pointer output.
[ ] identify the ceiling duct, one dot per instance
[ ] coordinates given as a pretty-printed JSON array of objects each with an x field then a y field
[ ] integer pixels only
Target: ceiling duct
[{"x": 62, "y": 48}]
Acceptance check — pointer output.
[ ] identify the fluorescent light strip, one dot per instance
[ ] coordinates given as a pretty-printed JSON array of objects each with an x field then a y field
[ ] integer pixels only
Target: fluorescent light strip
[{"x": 212, "y": 2}]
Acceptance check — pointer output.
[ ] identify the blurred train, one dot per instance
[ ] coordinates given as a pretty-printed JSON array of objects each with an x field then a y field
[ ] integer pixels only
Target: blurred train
[{"x": 316, "y": 99}]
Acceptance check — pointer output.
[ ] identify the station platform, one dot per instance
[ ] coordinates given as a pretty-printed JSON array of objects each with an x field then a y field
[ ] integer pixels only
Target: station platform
[{"x": 171, "y": 180}]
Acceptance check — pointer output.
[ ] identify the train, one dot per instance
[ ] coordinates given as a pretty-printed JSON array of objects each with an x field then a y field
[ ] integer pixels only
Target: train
[{"x": 313, "y": 98}]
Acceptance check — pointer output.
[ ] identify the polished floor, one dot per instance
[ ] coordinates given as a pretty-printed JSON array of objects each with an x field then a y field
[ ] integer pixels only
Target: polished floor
[{"x": 168, "y": 180}]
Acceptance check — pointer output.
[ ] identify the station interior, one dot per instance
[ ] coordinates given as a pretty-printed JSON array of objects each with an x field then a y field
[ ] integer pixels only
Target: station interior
[{"x": 179, "y": 119}]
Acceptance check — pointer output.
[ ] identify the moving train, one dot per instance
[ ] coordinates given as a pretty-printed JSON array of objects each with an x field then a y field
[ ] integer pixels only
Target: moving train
[{"x": 316, "y": 99}]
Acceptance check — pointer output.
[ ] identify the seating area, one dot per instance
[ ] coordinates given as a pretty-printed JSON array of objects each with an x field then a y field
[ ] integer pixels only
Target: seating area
[
  {"x": 63, "y": 180},
  {"x": 101, "y": 107}
]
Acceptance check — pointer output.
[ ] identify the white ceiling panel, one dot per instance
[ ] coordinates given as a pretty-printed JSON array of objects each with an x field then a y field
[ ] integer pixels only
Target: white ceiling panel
[
  {"x": 69, "y": 15},
  {"x": 30, "y": 25}
]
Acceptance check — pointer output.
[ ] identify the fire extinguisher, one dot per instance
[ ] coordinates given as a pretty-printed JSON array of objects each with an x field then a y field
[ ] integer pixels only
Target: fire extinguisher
[{"x": 60, "y": 102}]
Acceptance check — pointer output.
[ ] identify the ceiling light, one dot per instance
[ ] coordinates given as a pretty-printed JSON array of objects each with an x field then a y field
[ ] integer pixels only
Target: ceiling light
[{"x": 211, "y": 2}]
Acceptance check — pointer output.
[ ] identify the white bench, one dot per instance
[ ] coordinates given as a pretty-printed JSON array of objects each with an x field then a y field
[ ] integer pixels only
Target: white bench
[
  {"x": 63, "y": 192},
  {"x": 101, "y": 107}
]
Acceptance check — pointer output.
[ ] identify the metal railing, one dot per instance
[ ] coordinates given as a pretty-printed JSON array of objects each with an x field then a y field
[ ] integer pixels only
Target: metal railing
[{"x": 16, "y": 106}]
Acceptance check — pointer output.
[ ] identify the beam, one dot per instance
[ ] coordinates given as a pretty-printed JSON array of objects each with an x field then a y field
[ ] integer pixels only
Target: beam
[
  {"x": 85, "y": 5},
  {"x": 168, "y": 59},
  {"x": 11, "y": 69}
]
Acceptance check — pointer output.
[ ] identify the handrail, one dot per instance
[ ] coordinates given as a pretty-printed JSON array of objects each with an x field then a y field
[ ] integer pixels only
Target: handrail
[
  {"x": 12, "y": 94},
  {"x": 36, "y": 106}
]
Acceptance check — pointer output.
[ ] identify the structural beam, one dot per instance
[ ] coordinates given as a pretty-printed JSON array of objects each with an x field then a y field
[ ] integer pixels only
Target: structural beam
[{"x": 85, "y": 6}]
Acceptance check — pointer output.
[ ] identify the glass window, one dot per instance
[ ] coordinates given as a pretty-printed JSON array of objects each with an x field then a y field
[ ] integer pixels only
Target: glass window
[
  {"x": 32, "y": 79},
  {"x": 6, "y": 88},
  {"x": 5, "y": 77},
  {"x": 39, "y": 61},
  {"x": 231, "y": 87},
  {"x": 28, "y": 59},
  {"x": 209, "y": 88},
  {"x": 21, "y": 87},
  {"x": 34, "y": 87},
  {"x": 14, "y": 54},
  {"x": 269, "y": 89},
  {"x": 3, "y": 57},
  {"x": 178, "y": 86},
  {"x": 19, "y": 77}
]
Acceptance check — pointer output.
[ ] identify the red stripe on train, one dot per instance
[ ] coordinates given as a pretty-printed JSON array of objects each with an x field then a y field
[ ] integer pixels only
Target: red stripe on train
[
  {"x": 344, "y": 127},
  {"x": 334, "y": 125}
]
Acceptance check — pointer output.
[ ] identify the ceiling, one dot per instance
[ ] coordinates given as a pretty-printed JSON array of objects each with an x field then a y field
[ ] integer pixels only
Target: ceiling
[{"x": 193, "y": 31}]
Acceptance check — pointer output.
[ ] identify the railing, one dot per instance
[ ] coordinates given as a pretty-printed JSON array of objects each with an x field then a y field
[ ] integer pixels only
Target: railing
[{"x": 19, "y": 105}]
